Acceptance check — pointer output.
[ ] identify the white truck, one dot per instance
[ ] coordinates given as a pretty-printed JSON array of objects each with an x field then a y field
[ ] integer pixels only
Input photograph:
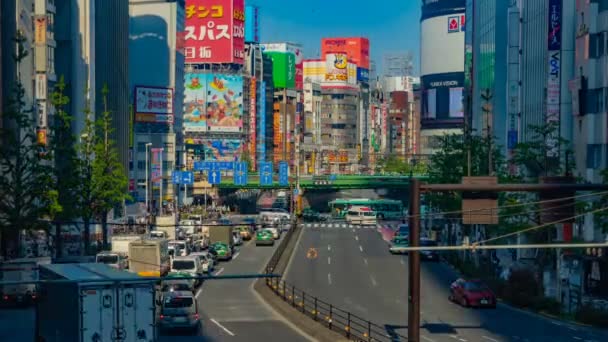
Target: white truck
[
  {"x": 25, "y": 269},
  {"x": 149, "y": 258},
  {"x": 117, "y": 257},
  {"x": 94, "y": 302}
]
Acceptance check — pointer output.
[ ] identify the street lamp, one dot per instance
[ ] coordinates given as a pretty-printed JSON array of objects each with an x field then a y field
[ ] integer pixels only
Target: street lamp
[{"x": 147, "y": 201}]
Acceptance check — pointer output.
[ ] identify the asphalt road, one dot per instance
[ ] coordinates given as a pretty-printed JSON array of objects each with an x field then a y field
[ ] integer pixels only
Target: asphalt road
[
  {"x": 355, "y": 271},
  {"x": 233, "y": 311}
]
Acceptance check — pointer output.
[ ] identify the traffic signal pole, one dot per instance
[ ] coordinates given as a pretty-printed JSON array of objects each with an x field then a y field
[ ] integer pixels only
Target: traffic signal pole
[{"x": 416, "y": 188}]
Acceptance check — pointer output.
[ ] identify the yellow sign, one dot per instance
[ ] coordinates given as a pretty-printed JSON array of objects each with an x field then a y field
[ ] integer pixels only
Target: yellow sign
[{"x": 312, "y": 253}]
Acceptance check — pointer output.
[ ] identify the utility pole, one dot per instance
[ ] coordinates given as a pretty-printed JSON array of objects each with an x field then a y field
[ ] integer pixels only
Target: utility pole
[{"x": 416, "y": 188}]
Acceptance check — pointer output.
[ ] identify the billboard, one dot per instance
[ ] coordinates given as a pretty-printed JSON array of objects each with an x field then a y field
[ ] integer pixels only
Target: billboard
[
  {"x": 442, "y": 46},
  {"x": 222, "y": 149},
  {"x": 252, "y": 26},
  {"x": 214, "y": 31},
  {"x": 195, "y": 97},
  {"x": 252, "y": 117},
  {"x": 555, "y": 25},
  {"x": 283, "y": 69},
  {"x": 297, "y": 51},
  {"x": 153, "y": 104},
  {"x": 336, "y": 68},
  {"x": 356, "y": 48},
  {"x": 261, "y": 146},
  {"x": 156, "y": 165}
]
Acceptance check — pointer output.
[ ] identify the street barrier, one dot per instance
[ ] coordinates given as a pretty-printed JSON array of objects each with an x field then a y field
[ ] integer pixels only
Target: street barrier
[{"x": 334, "y": 318}]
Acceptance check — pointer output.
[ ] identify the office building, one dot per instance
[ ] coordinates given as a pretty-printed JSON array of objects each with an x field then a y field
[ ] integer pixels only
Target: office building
[
  {"x": 398, "y": 64},
  {"x": 441, "y": 69},
  {"x": 311, "y": 143},
  {"x": 153, "y": 46}
]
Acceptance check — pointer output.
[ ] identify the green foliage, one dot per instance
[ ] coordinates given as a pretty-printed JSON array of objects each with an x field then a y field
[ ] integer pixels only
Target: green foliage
[
  {"x": 246, "y": 157},
  {"x": 25, "y": 184},
  {"x": 393, "y": 164}
]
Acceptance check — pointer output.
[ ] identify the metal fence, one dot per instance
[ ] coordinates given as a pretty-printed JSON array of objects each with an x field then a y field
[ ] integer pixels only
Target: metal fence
[{"x": 334, "y": 318}]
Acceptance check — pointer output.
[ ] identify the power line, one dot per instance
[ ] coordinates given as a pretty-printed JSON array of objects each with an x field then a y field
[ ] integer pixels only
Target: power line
[{"x": 473, "y": 247}]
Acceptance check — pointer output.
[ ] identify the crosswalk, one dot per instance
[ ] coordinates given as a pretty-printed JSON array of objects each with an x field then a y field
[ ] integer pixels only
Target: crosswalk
[{"x": 344, "y": 225}]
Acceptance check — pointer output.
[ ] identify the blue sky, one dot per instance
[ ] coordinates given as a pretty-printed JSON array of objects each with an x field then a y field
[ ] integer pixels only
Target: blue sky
[{"x": 390, "y": 25}]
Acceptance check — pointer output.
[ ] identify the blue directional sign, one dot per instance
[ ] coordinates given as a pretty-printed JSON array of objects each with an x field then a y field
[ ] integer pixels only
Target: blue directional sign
[
  {"x": 187, "y": 177},
  {"x": 176, "y": 176},
  {"x": 198, "y": 166},
  {"x": 241, "y": 173},
  {"x": 214, "y": 177},
  {"x": 265, "y": 173},
  {"x": 283, "y": 173}
]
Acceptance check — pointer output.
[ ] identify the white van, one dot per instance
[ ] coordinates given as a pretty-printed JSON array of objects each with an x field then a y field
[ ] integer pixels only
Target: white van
[
  {"x": 187, "y": 264},
  {"x": 361, "y": 215}
]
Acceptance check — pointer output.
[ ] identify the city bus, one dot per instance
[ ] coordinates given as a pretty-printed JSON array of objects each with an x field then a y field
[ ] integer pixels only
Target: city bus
[{"x": 385, "y": 209}]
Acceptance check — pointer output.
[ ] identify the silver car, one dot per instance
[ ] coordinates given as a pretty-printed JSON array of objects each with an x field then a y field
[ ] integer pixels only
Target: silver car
[{"x": 179, "y": 311}]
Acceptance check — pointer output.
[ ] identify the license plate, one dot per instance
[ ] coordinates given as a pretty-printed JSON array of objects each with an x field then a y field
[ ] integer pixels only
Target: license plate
[
  {"x": 483, "y": 301},
  {"x": 180, "y": 319}
]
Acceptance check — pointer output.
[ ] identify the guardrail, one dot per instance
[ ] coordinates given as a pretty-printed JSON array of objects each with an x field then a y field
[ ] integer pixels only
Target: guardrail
[{"x": 334, "y": 318}]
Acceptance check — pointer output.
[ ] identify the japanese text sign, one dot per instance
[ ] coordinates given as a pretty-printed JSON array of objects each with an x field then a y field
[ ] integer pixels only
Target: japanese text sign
[{"x": 214, "y": 31}]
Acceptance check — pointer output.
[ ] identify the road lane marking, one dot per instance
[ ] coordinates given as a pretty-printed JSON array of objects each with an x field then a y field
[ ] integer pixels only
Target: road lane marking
[
  {"x": 329, "y": 247},
  {"x": 427, "y": 339},
  {"x": 219, "y": 271},
  {"x": 489, "y": 338},
  {"x": 329, "y": 278},
  {"x": 365, "y": 261},
  {"x": 374, "y": 283},
  {"x": 401, "y": 261},
  {"x": 236, "y": 255},
  {"x": 356, "y": 238},
  {"x": 576, "y": 338},
  {"x": 361, "y": 248},
  {"x": 222, "y": 327},
  {"x": 329, "y": 260},
  {"x": 198, "y": 293}
]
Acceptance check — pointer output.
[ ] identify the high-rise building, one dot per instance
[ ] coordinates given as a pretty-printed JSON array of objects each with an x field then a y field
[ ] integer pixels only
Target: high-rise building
[
  {"x": 398, "y": 64},
  {"x": 154, "y": 45},
  {"x": 311, "y": 144},
  {"x": 112, "y": 70},
  {"x": 442, "y": 78}
]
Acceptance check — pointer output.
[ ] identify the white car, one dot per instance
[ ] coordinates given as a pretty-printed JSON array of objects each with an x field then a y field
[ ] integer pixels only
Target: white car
[
  {"x": 180, "y": 247},
  {"x": 205, "y": 260},
  {"x": 187, "y": 264},
  {"x": 236, "y": 238}
]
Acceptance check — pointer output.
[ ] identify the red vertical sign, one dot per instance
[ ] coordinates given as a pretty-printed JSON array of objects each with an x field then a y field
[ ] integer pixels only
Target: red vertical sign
[{"x": 252, "y": 121}]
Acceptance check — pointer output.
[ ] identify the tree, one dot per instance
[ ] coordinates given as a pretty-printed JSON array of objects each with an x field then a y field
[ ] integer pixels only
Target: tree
[
  {"x": 109, "y": 181},
  {"x": 25, "y": 185},
  {"x": 246, "y": 157},
  {"x": 85, "y": 199}
]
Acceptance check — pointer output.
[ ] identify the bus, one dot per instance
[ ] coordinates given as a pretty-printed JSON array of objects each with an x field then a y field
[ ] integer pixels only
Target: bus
[{"x": 385, "y": 209}]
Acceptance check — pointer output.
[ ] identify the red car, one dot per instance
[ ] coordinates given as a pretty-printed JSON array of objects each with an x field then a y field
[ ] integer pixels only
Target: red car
[{"x": 472, "y": 293}]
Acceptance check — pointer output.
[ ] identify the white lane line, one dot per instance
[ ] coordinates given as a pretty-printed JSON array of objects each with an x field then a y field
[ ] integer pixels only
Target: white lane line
[
  {"x": 572, "y": 328},
  {"x": 198, "y": 293},
  {"x": 556, "y": 323},
  {"x": 356, "y": 238},
  {"x": 489, "y": 338},
  {"x": 576, "y": 338},
  {"x": 462, "y": 339},
  {"x": 236, "y": 255},
  {"x": 329, "y": 247},
  {"x": 329, "y": 278},
  {"x": 365, "y": 261},
  {"x": 222, "y": 327},
  {"x": 360, "y": 248},
  {"x": 453, "y": 336},
  {"x": 329, "y": 260},
  {"x": 427, "y": 339},
  {"x": 401, "y": 261},
  {"x": 374, "y": 283},
  {"x": 219, "y": 271}
]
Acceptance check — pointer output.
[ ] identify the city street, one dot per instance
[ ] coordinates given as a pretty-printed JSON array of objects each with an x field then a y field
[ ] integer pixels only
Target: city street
[
  {"x": 355, "y": 271},
  {"x": 231, "y": 309}
]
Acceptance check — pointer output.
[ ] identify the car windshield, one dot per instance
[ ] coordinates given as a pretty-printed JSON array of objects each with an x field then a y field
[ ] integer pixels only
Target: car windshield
[
  {"x": 475, "y": 286},
  {"x": 183, "y": 264},
  {"x": 178, "y": 302},
  {"x": 107, "y": 259}
]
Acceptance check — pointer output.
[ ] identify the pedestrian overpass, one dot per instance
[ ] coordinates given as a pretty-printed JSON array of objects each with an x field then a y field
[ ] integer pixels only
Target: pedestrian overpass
[{"x": 336, "y": 182}]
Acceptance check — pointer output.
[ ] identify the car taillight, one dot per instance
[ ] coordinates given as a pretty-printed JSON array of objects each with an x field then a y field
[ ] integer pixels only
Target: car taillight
[
  {"x": 195, "y": 316},
  {"x": 33, "y": 296},
  {"x": 161, "y": 316},
  {"x": 5, "y": 297}
]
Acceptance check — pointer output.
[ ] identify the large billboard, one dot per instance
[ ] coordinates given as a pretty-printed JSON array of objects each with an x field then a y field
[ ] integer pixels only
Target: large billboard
[
  {"x": 261, "y": 146},
  {"x": 336, "y": 68},
  {"x": 299, "y": 54},
  {"x": 442, "y": 46},
  {"x": 283, "y": 69},
  {"x": 215, "y": 31},
  {"x": 252, "y": 117},
  {"x": 213, "y": 103},
  {"x": 356, "y": 48},
  {"x": 252, "y": 26},
  {"x": 222, "y": 149},
  {"x": 153, "y": 104}
]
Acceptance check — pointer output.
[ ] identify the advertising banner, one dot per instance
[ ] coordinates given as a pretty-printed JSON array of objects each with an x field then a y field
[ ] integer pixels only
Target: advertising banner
[
  {"x": 299, "y": 59},
  {"x": 252, "y": 117},
  {"x": 283, "y": 69},
  {"x": 40, "y": 30},
  {"x": 261, "y": 146},
  {"x": 214, "y": 31},
  {"x": 336, "y": 68},
  {"x": 456, "y": 103},
  {"x": 224, "y": 103},
  {"x": 153, "y": 100},
  {"x": 554, "y": 44},
  {"x": 356, "y": 49},
  {"x": 195, "y": 97},
  {"x": 252, "y": 26},
  {"x": 41, "y": 86},
  {"x": 153, "y": 118},
  {"x": 156, "y": 165},
  {"x": 222, "y": 149},
  {"x": 555, "y": 25}
]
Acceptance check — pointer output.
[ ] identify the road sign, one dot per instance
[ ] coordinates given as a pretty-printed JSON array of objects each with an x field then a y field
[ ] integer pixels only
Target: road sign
[
  {"x": 265, "y": 173},
  {"x": 241, "y": 173},
  {"x": 283, "y": 173},
  {"x": 176, "y": 176},
  {"x": 197, "y": 166},
  {"x": 214, "y": 177},
  {"x": 187, "y": 177}
]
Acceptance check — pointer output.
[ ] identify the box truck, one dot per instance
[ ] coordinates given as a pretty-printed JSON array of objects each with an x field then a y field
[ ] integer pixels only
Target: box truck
[
  {"x": 25, "y": 269},
  {"x": 94, "y": 302},
  {"x": 149, "y": 258}
]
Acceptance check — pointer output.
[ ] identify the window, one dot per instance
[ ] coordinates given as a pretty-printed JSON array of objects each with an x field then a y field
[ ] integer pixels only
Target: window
[
  {"x": 141, "y": 147},
  {"x": 168, "y": 147},
  {"x": 593, "y": 100},
  {"x": 594, "y": 155},
  {"x": 141, "y": 164},
  {"x": 596, "y": 45}
]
